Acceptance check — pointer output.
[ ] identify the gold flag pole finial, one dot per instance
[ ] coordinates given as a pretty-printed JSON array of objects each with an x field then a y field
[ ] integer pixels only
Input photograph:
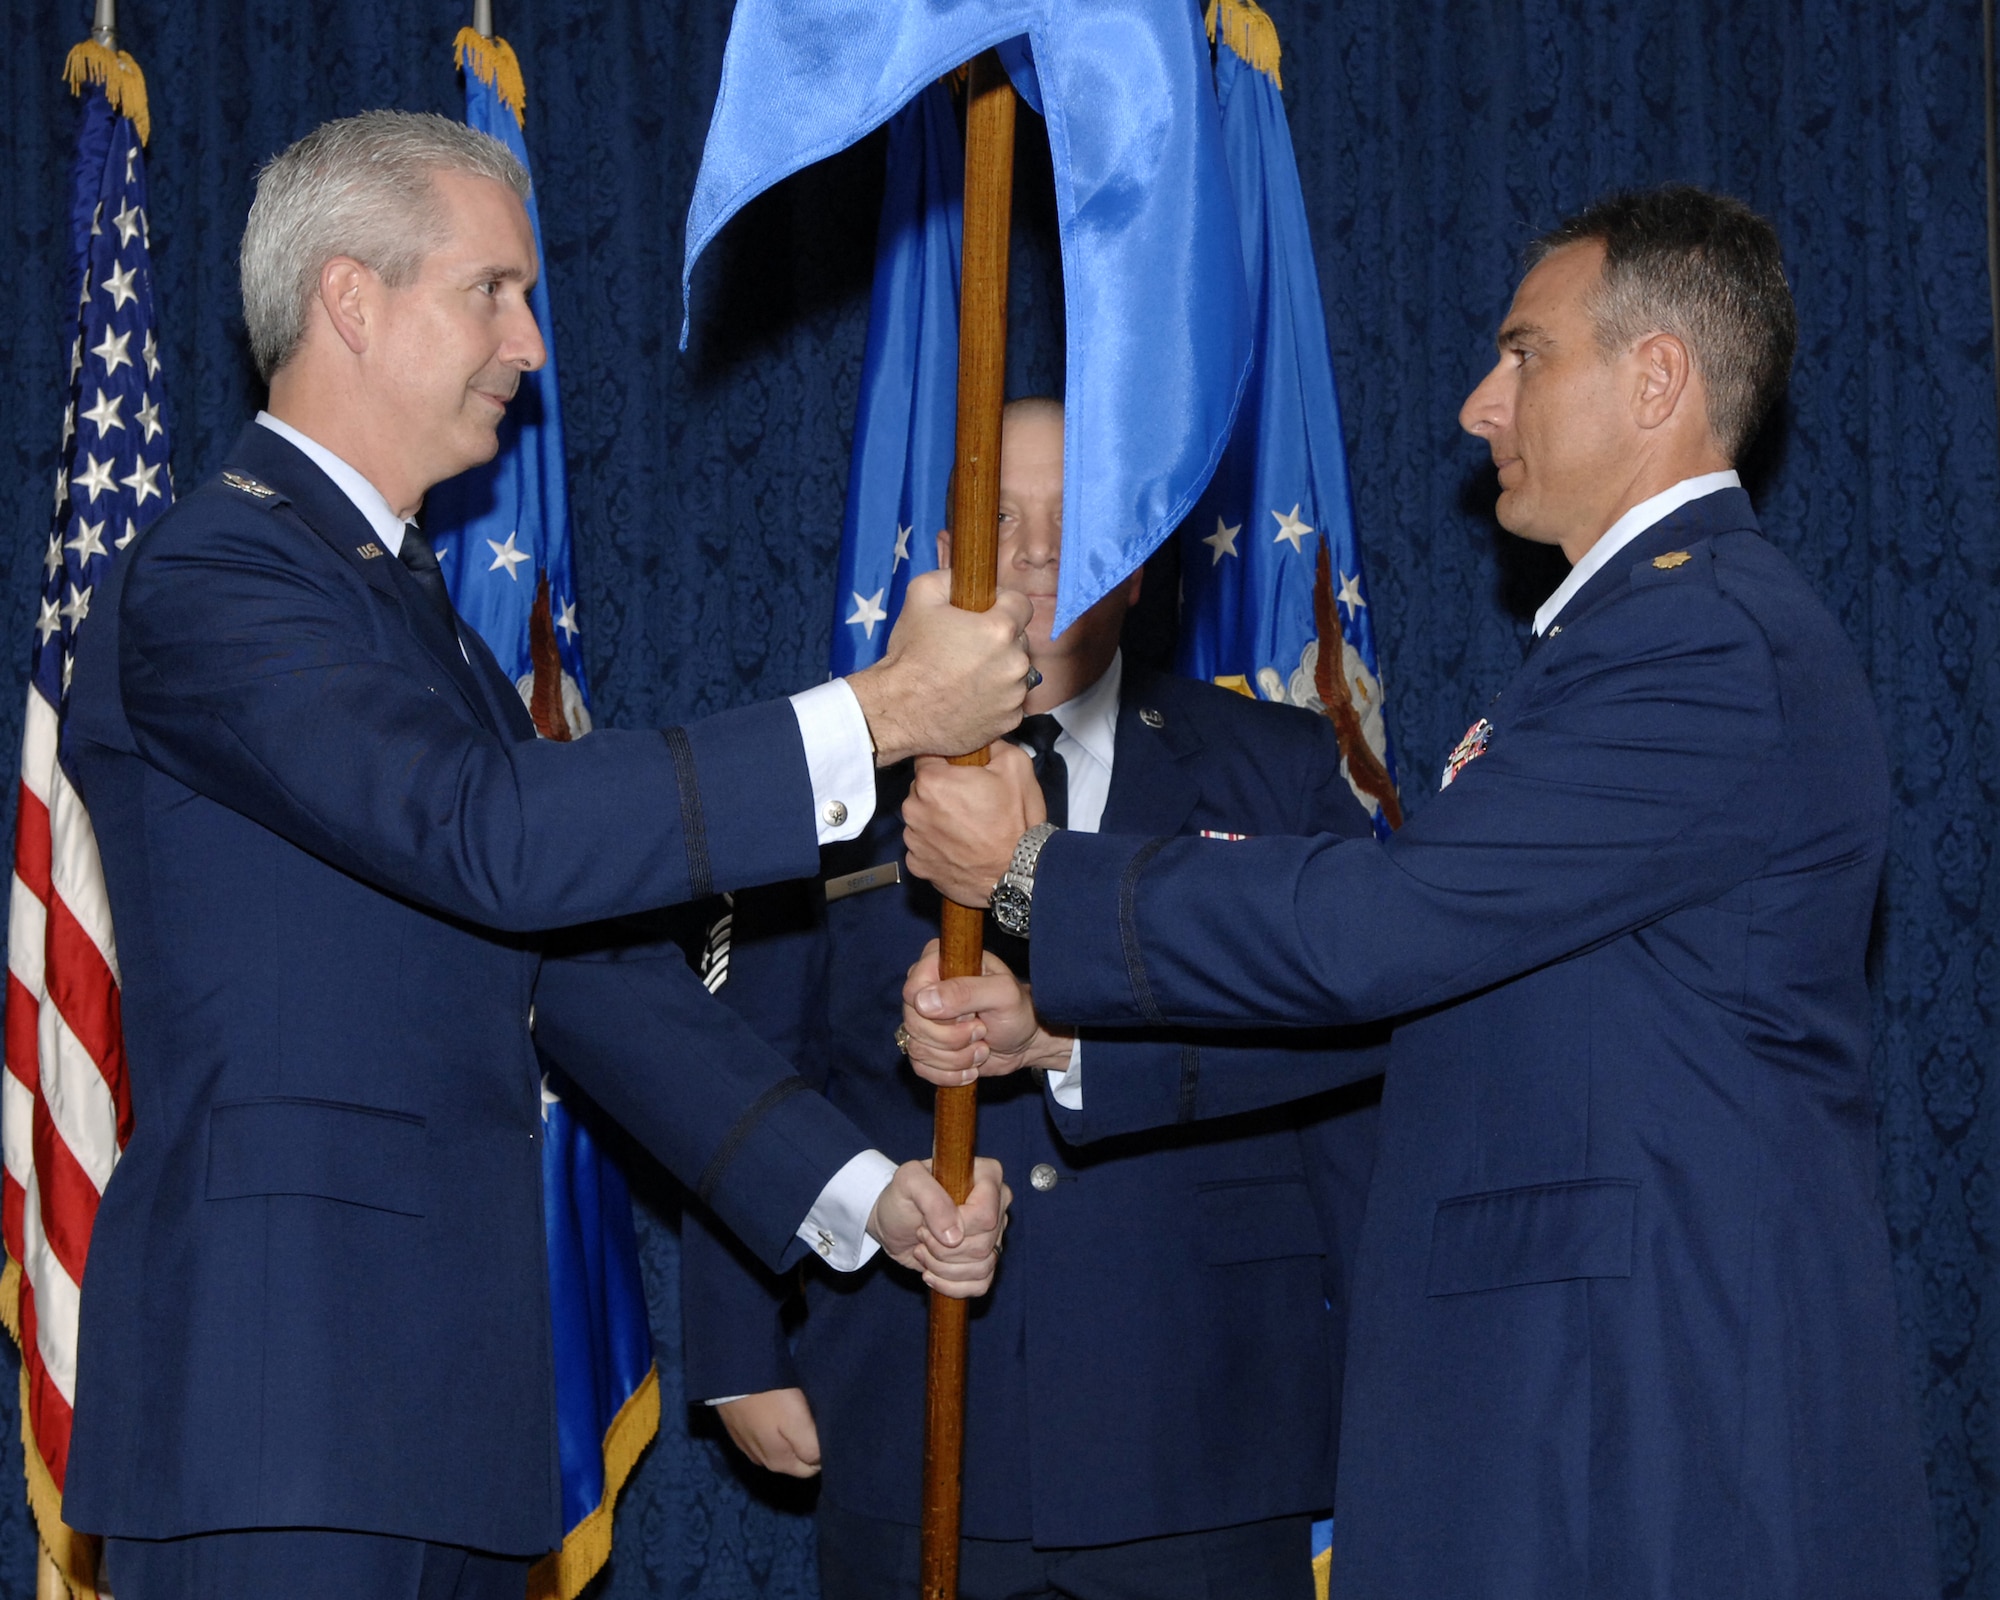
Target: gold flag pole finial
[
  {"x": 99, "y": 60},
  {"x": 489, "y": 59}
]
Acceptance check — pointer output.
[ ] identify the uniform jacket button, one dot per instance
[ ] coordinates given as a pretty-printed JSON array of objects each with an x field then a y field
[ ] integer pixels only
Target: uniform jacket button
[
  {"x": 835, "y": 813},
  {"x": 1043, "y": 1176}
]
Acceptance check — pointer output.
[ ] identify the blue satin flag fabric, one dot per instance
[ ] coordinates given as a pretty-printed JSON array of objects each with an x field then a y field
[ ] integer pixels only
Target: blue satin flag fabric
[{"x": 1154, "y": 292}]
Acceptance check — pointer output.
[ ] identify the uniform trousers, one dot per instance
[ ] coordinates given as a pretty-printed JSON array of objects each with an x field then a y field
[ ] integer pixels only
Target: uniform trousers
[
  {"x": 307, "y": 1564},
  {"x": 867, "y": 1558}
]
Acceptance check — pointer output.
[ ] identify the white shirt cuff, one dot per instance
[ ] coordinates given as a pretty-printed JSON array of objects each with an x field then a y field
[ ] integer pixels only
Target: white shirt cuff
[
  {"x": 836, "y": 1229},
  {"x": 840, "y": 757},
  {"x": 1066, "y": 1089}
]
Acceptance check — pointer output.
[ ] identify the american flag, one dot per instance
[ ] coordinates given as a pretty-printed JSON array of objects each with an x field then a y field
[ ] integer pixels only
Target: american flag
[{"x": 65, "y": 1112}]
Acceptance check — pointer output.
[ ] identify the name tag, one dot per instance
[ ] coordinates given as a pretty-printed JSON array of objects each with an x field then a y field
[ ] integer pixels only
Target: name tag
[{"x": 868, "y": 878}]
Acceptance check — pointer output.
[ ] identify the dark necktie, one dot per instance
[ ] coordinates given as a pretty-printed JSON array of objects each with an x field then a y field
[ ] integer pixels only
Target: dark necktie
[
  {"x": 1038, "y": 735},
  {"x": 422, "y": 563}
]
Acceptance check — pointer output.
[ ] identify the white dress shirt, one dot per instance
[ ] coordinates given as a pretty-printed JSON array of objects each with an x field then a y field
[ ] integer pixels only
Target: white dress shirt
[
  {"x": 840, "y": 759},
  {"x": 1622, "y": 532},
  {"x": 1087, "y": 743}
]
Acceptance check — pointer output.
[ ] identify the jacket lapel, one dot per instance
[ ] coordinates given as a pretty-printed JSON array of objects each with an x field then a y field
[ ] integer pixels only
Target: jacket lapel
[
  {"x": 1153, "y": 792},
  {"x": 318, "y": 504}
]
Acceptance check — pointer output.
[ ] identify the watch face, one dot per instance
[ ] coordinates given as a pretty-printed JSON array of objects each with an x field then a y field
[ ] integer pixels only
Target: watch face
[{"x": 1010, "y": 909}]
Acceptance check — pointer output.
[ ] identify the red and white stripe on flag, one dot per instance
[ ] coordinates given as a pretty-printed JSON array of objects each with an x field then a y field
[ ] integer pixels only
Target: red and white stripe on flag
[{"x": 65, "y": 1111}]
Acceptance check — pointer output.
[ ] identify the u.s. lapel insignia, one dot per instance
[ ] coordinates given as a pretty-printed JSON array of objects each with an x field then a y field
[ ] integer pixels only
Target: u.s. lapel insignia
[
  {"x": 243, "y": 483},
  {"x": 1672, "y": 559},
  {"x": 369, "y": 551},
  {"x": 1469, "y": 749}
]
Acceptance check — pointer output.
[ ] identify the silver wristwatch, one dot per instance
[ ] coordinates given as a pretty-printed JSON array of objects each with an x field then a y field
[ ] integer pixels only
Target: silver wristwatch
[{"x": 1015, "y": 892}]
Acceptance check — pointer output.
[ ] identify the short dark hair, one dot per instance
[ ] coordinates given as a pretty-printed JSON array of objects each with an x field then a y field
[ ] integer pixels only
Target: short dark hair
[{"x": 1705, "y": 268}]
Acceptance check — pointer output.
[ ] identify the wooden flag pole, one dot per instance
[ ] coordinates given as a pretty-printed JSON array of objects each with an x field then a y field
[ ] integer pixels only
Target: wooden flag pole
[{"x": 982, "y": 375}]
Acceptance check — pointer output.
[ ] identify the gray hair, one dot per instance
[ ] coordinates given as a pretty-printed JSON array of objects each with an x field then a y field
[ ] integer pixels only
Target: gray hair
[
  {"x": 1707, "y": 269},
  {"x": 358, "y": 187}
]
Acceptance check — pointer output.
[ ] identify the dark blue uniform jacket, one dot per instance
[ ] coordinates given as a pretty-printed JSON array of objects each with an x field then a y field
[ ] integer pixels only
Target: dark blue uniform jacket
[
  {"x": 1623, "y": 1324},
  {"x": 316, "y": 1292},
  {"x": 1161, "y": 1351}
]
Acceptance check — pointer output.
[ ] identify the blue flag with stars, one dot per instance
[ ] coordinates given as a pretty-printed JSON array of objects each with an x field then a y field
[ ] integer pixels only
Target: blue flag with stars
[
  {"x": 114, "y": 479},
  {"x": 1153, "y": 289},
  {"x": 501, "y": 528},
  {"x": 502, "y": 537},
  {"x": 904, "y": 421},
  {"x": 1273, "y": 599}
]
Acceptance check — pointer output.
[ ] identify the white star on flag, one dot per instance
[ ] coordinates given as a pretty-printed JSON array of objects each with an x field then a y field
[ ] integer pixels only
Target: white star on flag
[
  {"x": 49, "y": 623},
  {"x": 89, "y": 540},
  {"x": 566, "y": 619},
  {"x": 1222, "y": 541},
  {"x": 104, "y": 415},
  {"x": 506, "y": 555},
  {"x": 78, "y": 607},
  {"x": 119, "y": 287},
  {"x": 148, "y": 416},
  {"x": 1350, "y": 594},
  {"x": 1290, "y": 527},
  {"x": 131, "y": 532},
  {"x": 127, "y": 222},
  {"x": 69, "y": 423},
  {"x": 112, "y": 352},
  {"x": 96, "y": 477},
  {"x": 141, "y": 481},
  {"x": 52, "y": 557},
  {"x": 902, "y": 547},
  {"x": 151, "y": 351},
  {"x": 869, "y": 612},
  {"x": 76, "y": 358}
]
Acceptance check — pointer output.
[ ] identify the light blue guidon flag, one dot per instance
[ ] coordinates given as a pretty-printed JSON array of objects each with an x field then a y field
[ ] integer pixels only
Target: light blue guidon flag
[{"x": 1153, "y": 288}]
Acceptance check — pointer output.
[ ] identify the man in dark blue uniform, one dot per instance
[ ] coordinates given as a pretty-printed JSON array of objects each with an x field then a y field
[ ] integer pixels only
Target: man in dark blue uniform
[
  {"x": 1151, "y": 1403},
  {"x": 314, "y": 1351},
  {"x": 1623, "y": 1325}
]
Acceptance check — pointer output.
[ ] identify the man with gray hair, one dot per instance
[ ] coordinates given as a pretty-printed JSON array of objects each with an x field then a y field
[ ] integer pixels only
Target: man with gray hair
[
  {"x": 315, "y": 1344},
  {"x": 1623, "y": 1325}
]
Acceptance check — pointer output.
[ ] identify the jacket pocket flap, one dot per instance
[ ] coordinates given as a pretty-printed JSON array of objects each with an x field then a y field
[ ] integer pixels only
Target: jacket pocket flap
[
  {"x": 357, "y": 1154},
  {"x": 1545, "y": 1233},
  {"x": 1261, "y": 1220}
]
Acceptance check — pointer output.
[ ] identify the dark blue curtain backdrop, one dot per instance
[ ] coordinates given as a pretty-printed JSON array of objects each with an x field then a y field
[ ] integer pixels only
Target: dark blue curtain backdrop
[{"x": 1434, "y": 140}]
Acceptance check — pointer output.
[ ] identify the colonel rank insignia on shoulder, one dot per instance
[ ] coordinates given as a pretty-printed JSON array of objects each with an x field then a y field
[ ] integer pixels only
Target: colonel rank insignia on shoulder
[{"x": 243, "y": 483}]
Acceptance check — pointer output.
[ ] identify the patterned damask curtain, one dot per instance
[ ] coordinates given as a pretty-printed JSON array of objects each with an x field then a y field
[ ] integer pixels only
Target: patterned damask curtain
[{"x": 1434, "y": 140}]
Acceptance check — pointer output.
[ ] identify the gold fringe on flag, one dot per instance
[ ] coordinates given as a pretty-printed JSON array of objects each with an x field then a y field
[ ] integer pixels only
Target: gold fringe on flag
[
  {"x": 493, "y": 61},
  {"x": 1247, "y": 30},
  {"x": 562, "y": 1574},
  {"x": 124, "y": 84},
  {"x": 68, "y": 1567}
]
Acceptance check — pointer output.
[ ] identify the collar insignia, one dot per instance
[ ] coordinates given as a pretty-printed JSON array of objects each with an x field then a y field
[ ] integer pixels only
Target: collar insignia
[
  {"x": 369, "y": 551},
  {"x": 1469, "y": 749},
  {"x": 1672, "y": 559},
  {"x": 243, "y": 483}
]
